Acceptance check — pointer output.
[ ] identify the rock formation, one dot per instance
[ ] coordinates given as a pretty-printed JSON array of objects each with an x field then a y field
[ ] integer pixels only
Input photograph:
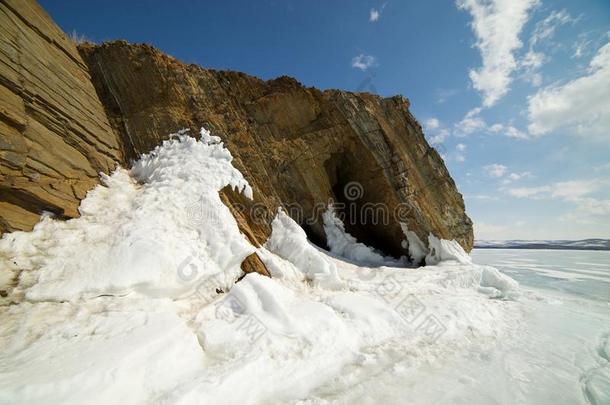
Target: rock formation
[
  {"x": 299, "y": 147},
  {"x": 54, "y": 134}
]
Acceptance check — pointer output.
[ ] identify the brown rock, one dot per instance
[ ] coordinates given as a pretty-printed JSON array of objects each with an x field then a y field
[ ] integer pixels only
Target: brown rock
[
  {"x": 54, "y": 134},
  {"x": 298, "y": 147},
  {"x": 252, "y": 218},
  {"x": 254, "y": 264}
]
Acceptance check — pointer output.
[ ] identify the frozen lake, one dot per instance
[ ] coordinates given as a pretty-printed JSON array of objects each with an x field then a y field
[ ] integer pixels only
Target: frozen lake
[
  {"x": 550, "y": 345},
  {"x": 573, "y": 272},
  {"x": 559, "y": 353}
]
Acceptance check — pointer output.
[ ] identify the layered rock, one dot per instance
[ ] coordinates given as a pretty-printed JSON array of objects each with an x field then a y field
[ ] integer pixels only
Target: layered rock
[
  {"x": 299, "y": 147},
  {"x": 67, "y": 115},
  {"x": 54, "y": 134}
]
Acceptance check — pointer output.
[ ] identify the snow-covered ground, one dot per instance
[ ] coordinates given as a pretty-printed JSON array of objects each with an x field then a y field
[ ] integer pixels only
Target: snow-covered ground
[
  {"x": 136, "y": 302},
  {"x": 561, "y": 350}
]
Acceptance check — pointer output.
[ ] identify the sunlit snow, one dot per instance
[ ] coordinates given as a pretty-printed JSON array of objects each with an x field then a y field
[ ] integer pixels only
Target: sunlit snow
[{"x": 136, "y": 302}]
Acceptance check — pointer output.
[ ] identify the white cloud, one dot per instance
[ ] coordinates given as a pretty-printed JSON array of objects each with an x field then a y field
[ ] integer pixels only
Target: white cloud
[
  {"x": 577, "y": 192},
  {"x": 460, "y": 150},
  {"x": 543, "y": 32},
  {"x": 572, "y": 190},
  {"x": 439, "y": 137},
  {"x": 528, "y": 192},
  {"x": 471, "y": 123},
  {"x": 579, "y": 49},
  {"x": 436, "y": 134},
  {"x": 513, "y": 132},
  {"x": 545, "y": 29},
  {"x": 533, "y": 59},
  {"x": 374, "y": 15},
  {"x": 432, "y": 123},
  {"x": 519, "y": 176},
  {"x": 496, "y": 25},
  {"x": 512, "y": 177},
  {"x": 495, "y": 170},
  {"x": 581, "y": 105},
  {"x": 363, "y": 62},
  {"x": 581, "y": 46},
  {"x": 495, "y": 128}
]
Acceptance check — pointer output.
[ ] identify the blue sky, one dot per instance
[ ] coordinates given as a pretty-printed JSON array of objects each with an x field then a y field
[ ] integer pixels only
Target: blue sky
[{"x": 515, "y": 94}]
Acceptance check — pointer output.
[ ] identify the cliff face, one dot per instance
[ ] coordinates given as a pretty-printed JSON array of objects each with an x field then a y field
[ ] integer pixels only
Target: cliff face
[
  {"x": 68, "y": 114},
  {"x": 298, "y": 147},
  {"x": 54, "y": 134}
]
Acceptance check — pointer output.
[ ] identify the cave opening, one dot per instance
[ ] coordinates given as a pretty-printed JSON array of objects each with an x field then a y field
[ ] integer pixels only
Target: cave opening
[{"x": 356, "y": 192}]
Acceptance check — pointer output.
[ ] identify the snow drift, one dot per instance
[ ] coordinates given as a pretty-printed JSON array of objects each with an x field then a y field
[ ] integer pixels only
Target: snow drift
[
  {"x": 136, "y": 301},
  {"x": 156, "y": 230}
]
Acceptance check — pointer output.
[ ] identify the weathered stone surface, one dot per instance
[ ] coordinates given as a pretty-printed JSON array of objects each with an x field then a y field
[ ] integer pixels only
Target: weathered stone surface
[
  {"x": 254, "y": 264},
  {"x": 298, "y": 147},
  {"x": 54, "y": 134}
]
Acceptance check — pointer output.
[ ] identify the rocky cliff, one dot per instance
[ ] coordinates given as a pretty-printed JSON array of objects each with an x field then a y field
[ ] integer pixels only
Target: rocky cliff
[
  {"x": 54, "y": 134},
  {"x": 299, "y": 147}
]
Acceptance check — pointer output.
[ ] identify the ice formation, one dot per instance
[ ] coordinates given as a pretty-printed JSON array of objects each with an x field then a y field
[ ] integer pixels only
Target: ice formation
[
  {"x": 289, "y": 241},
  {"x": 440, "y": 250},
  {"x": 156, "y": 230}
]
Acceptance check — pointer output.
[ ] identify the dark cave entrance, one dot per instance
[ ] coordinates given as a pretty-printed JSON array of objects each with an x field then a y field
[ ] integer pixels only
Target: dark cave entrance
[{"x": 356, "y": 187}]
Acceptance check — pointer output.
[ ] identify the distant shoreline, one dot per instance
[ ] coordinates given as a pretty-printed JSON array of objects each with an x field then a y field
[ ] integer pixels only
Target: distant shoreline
[
  {"x": 586, "y": 244},
  {"x": 544, "y": 247}
]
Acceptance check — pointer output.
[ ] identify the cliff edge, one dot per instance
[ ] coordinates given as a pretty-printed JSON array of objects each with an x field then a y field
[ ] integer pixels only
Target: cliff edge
[
  {"x": 54, "y": 134},
  {"x": 298, "y": 147},
  {"x": 67, "y": 114}
]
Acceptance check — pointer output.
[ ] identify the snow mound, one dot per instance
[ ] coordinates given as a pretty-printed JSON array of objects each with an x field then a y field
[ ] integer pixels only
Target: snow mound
[
  {"x": 261, "y": 328},
  {"x": 82, "y": 355},
  {"x": 441, "y": 250},
  {"x": 203, "y": 165},
  {"x": 497, "y": 285},
  {"x": 157, "y": 230},
  {"x": 289, "y": 241},
  {"x": 345, "y": 245}
]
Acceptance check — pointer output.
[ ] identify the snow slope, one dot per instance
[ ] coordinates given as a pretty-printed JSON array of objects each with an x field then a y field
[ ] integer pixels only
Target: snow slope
[{"x": 136, "y": 301}]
